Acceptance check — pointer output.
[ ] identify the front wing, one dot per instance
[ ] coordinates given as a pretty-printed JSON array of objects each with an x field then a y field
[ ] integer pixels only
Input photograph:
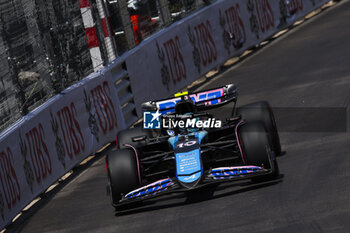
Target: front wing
[{"x": 171, "y": 185}]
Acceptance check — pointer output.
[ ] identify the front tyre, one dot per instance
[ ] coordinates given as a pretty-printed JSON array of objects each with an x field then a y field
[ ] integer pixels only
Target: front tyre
[
  {"x": 256, "y": 145},
  {"x": 262, "y": 111},
  {"x": 123, "y": 173}
]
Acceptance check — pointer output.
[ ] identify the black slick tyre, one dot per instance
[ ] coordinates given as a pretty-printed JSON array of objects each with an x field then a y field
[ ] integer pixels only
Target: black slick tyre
[
  {"x": 256, "y": 148},
  {"x": 262, "y": 111},
  {"x": 122, "y": 169}
]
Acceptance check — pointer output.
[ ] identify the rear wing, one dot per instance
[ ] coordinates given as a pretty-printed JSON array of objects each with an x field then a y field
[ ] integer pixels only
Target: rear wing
[{"x": 203, "y": 100}]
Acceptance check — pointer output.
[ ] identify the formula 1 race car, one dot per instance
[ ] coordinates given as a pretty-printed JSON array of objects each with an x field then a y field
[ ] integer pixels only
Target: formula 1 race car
[{"x": 187, "y": 148}]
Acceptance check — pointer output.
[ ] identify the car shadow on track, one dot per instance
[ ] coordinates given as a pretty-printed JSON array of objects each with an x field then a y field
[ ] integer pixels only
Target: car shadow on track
[{"x": 196, "y": 196}]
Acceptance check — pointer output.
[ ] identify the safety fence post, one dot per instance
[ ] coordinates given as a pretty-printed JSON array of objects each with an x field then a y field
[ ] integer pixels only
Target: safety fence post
[
  {"x": 164, "y": 12},
  {"x": 127, "y": 25}
]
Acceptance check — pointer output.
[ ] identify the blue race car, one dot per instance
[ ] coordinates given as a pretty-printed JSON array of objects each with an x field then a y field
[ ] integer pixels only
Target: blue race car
[{"x": 192, "y": 148}]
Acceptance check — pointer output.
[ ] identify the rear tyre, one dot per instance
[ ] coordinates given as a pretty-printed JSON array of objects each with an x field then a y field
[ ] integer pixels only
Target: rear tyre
[
  {"x": 255, "y": 145},
  {"x": 262, "y": 111},
  {"x": 126, "y": 137},
  {"x": 123, "y": 174}
]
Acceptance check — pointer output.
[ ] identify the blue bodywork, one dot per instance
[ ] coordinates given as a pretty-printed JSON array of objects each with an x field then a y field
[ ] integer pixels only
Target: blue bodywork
[
  {"x": 151, "y": 189},
  {"x": 189, "y": 169},
  {"x": 232, "y": 172},
  {"x": 188, "y": 166},
  {"x": 188, "y": 161},
  {"x": 212, "y": 98}
]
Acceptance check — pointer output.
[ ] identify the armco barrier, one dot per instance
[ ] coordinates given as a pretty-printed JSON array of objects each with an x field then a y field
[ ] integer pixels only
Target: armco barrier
[{"x": 42, "y": 146}]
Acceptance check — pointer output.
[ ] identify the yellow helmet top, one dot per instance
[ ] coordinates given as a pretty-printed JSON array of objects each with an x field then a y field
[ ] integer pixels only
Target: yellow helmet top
[{"x": 181, "y": 94}]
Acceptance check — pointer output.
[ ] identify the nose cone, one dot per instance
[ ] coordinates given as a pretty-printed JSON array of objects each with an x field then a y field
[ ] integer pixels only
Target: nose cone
[{"x": 189, "y": 168}]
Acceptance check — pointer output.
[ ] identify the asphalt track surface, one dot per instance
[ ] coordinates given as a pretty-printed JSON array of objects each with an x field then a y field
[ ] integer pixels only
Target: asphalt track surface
[{"x": 308, "y": 67}]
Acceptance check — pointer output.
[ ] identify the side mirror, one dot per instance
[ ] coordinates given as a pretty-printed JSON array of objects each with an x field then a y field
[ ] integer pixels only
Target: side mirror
[{"x": 231, "y": 90}]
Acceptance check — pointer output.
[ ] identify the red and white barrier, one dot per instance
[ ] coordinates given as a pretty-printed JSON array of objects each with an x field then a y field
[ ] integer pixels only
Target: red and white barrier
[
  {"x": 91, "y": 34},
  {"x": 106, "y": 31}
]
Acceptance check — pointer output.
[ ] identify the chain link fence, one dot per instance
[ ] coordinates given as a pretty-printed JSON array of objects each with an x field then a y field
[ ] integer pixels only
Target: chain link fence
[{"x": 45, "y": 45}]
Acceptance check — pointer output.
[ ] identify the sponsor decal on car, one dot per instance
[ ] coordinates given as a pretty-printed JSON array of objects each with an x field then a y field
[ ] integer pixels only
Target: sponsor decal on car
[
  {"x": 209, "y": 97},
  {"x": 188, "y": 165}
]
